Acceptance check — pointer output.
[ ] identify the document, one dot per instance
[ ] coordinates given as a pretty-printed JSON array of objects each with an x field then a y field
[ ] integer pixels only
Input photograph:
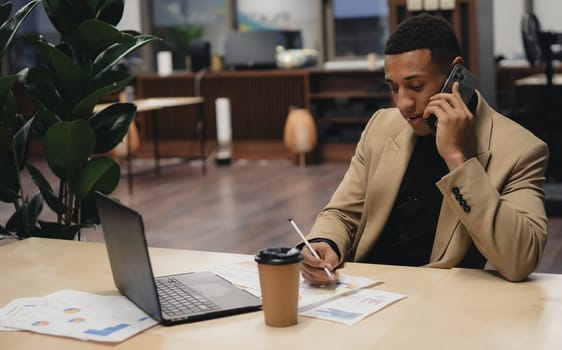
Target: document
[
  {"x": 311, "y": 296},
  {"x": 78, "y": 315},
  {"x": 245, "y": 275},
  {"x": 346, "y": 301},
  {"x": 352, "y": 308}
]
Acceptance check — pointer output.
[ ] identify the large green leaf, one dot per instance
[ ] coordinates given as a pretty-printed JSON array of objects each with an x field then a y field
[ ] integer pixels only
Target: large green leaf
[
  {"x": 111, "y": 79},
  {"x": 8, "y": 114},
  {"x": 110, "y": 82},
  {"x": 46, "y": 190},
  {"x": 8, "y": 196},
  {"x": 6, "y": 84},
  {"x": 9, "y": 28},
  {"x": 43, "y": 47},
  {"x": 115, "y": 53},
  {"x": 21, "y": 143},
  {"x": 66, "y": 15},
  {"x": 7, "y": 102},
  {"x": 40, "y": 86},
  {"x": 24, "y": 220},
  {"x": 109, "y": 11},
  {"x": 43, "y": 121},
  {"x": 105, "y": 36},
  {"x": 65, "y": 48},
  {"x": 5, "y": 233},
  {"x": 9, "y": 184},
  {"x": 88, "y": 212},
  {"x": 68, "y": 145},
  {"x": 5, "y": 141},
  {"x": 5, "y": 10},
  {"x": 69, "y": 78},
  {"x": 111, "y": 125},
  {"x": 99, "y": 174}
]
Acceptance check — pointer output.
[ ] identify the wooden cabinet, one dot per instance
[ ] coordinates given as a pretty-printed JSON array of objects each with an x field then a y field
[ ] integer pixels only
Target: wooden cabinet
[
  {"x": 259, "y": 102},
  {"x": 342, "y": 101}
]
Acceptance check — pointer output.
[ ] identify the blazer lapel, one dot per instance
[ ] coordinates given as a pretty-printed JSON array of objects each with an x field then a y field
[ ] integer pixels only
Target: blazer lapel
[{"x": 385, "y": 186}]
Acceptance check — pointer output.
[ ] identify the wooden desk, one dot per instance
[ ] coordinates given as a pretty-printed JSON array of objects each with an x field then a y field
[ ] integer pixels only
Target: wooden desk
[
  {"x": 539, "y": 80},
  {"x": 445, "y": 309},
  {"x": 153, "y": 105}
]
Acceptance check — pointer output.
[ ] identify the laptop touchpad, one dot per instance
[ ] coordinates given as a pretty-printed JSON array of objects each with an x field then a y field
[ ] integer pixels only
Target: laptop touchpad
[{"x": 212, "y": 290}]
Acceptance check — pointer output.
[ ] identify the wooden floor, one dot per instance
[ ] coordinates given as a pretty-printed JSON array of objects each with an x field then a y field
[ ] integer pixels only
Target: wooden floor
[{"x": 243, "y": 207}]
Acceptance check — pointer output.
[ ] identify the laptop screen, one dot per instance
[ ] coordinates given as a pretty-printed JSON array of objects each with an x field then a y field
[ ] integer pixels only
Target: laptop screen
[{"x": 123, "y": 232}]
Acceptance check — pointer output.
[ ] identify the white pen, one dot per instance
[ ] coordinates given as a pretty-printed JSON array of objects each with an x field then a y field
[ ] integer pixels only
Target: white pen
[{"x": 310, "y": 247}]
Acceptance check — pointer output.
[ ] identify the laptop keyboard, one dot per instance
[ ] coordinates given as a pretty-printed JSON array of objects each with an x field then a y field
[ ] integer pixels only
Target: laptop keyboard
[{"x": 177, "y": 299}]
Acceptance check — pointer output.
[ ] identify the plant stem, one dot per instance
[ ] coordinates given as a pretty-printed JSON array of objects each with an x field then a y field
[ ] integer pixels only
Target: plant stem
[
  {"x": 69, "y": 207},
  {"x": 78, "y": 219},
  {"x": 63, "y": 197},
  {"x": 17, "y": 202}
]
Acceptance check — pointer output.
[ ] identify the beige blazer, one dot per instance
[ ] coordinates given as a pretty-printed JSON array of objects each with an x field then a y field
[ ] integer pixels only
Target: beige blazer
[{"x": 501, "y": 183}]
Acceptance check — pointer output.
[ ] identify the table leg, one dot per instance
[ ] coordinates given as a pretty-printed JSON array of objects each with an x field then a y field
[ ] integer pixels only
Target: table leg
[{"x": 201, "y": 136}]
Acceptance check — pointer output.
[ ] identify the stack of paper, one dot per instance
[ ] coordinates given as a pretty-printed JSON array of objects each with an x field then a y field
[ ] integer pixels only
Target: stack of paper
[
  {"x": 78, "y": 315},
  {"x": 352, "y": 308},
  {"x": 346, "y": 301}
]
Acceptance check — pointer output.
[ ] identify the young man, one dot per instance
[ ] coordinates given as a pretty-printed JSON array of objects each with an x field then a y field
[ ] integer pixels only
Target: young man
[{"x": 467, "y": 193}]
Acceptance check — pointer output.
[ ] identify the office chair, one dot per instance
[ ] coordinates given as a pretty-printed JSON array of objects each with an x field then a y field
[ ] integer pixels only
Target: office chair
[
  {"x": 539, "y": 50},
  {"x": 539, "y": 44}
]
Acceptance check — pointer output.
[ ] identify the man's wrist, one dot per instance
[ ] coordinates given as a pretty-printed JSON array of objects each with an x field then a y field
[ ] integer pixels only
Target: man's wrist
[
  {"x": 332, "y": 244},
  {"x": 455, "y": 161}
]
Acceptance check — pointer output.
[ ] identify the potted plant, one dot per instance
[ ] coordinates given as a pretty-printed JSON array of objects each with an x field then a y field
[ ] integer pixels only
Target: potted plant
[
  {"x": 77, "y": 73},
  {"x": 178, "y": 40},
  {"x": 14, "y": 128}
]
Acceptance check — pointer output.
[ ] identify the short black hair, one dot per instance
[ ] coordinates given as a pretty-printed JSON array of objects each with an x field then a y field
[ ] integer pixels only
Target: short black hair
[{"x": 425, "y": 31}]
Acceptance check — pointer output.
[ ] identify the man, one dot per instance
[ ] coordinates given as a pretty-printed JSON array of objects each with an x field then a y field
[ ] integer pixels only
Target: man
[{"x": 467, "y": 193}]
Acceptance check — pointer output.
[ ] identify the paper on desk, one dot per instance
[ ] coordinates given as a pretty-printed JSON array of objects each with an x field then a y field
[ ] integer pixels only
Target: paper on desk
[
  {"x": 245, "y": 275},
  {"x": 352, "y": 308},
  {"x": 77, "y": 314}
]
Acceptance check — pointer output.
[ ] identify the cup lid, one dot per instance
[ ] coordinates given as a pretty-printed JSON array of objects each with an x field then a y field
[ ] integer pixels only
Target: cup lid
[{"x": 278, "y": 256}]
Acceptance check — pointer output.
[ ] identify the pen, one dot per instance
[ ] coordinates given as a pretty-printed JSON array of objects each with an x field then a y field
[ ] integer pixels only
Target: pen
[{"x": 310, "y": 247}]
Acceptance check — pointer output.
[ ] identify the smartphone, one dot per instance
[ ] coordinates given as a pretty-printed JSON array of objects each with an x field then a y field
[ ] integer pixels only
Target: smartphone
[{"x": 467, "y": 86}]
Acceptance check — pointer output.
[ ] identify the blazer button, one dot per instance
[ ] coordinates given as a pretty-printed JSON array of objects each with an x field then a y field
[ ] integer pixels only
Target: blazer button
[
  {"x": 456, "y": 190},
  {"x": 458, "y": 196},
  {"x": 466, "y": 208},
  {"x": 463, "y": 203}
]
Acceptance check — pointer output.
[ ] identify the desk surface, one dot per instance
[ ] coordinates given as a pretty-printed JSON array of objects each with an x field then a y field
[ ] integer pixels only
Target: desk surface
[
  {"x": 445, "y": 309},
  {"x": 539, "y": 80},
  {"x": 155, "y": 103}
]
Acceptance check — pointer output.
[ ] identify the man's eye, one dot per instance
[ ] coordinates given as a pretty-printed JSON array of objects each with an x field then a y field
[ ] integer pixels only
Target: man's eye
[{"x": 417, "y": 88}]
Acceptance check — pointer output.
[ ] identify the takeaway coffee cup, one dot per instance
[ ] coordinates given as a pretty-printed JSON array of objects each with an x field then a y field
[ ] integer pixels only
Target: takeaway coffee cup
[{"x": 279, "y": 271}]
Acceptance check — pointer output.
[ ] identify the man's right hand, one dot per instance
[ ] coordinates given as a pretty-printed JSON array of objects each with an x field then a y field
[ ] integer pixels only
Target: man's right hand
[{"x": 313, "y": 268}]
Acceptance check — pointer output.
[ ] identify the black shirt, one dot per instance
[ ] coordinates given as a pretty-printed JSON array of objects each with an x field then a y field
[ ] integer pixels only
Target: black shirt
[{"x": 408, "y": 235}]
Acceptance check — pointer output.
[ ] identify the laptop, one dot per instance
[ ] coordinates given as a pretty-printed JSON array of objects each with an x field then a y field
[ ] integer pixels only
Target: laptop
[{"x": 170, "y": 299}]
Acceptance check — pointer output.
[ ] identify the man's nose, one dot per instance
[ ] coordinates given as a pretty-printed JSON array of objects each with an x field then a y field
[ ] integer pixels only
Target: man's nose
[{"x": 404, "y": 102}]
